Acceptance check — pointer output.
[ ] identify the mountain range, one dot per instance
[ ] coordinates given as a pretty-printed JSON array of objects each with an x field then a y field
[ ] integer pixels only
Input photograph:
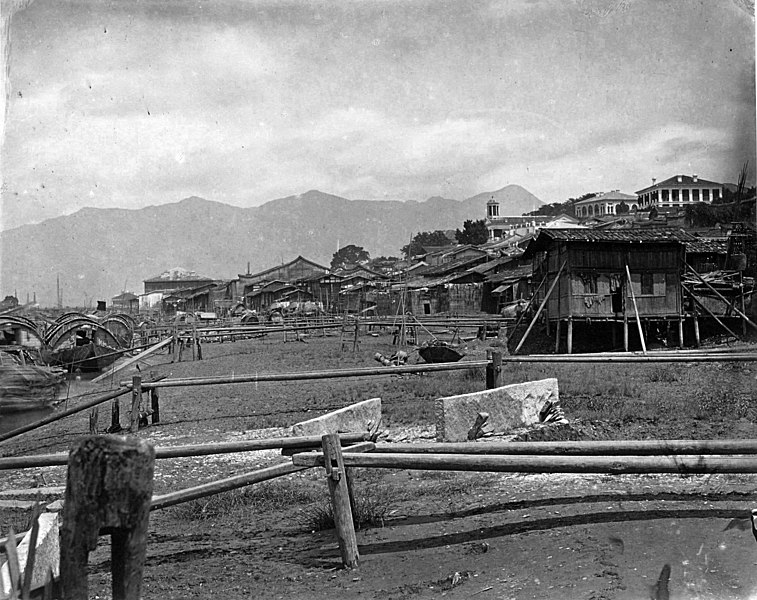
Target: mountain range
[{"x": 98, "y": 253}]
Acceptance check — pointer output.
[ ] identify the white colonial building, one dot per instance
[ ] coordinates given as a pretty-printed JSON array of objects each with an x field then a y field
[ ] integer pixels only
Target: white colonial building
[
  {"x": 679, "y": 191},
  {"x": 605, "y": 204}
]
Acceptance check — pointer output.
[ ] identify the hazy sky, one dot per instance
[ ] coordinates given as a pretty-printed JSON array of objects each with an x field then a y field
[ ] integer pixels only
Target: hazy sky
[{"x": 126, "y": 104}]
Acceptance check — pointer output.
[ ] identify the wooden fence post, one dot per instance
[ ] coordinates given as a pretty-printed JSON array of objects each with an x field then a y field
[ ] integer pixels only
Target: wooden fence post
[
  {"x": 155, "y": 405},
  {"x": 115, "y": 416},
  {"x": 494, "y": 371},
  {"x": 340, "y": 499},
  {"x": 108, "y": 491},
  {"x": 93, "y": 418},
  {"x": 136, "y": 398}
]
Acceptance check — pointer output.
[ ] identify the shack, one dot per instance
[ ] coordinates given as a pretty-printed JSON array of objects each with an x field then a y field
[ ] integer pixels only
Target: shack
[{"x": 611, "y": 276}]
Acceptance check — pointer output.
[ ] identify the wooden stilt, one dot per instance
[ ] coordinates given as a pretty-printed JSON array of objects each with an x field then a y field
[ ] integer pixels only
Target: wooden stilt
[
  {"x": 570, "y": 335},
  {"x": 636, "y": 311},
  {"x": 695, "y": 318},
  {"x": 541, "y": 307},
  {"x": 680, "y": 331},
  {"x": 614, "y": 334},
  {"x": 625, "y": 332},
  {"x": 494, "y": 371},
  {"x": 115, "y": 416},
  {"x": 557, "y": 336}
]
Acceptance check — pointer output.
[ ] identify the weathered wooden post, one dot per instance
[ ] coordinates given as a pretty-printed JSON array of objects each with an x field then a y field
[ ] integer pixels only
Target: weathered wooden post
[
  {"x": 136, "y": 399},
  {"x": 340, "y": 499},
  {"x": 155, "y": 405},
  {"x": 108, "y": 491},
  {"x": 696, "y": 328},
  {"x": 494, "y": 371},
  {"x": 176, "y": 345},
  {"x": 93, "y": 417},
  {"x": 115, "y": 416}
]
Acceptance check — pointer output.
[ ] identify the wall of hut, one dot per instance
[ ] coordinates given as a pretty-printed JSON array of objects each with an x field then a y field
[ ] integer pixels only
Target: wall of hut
[{"x": 594, "y": 283}]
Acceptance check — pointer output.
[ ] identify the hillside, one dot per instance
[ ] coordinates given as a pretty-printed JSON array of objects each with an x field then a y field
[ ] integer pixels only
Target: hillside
[{"x": 100, "y": 252}]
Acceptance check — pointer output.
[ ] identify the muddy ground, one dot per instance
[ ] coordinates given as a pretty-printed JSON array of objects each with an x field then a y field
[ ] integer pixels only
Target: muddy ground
[{"x": 433, "y": 534}]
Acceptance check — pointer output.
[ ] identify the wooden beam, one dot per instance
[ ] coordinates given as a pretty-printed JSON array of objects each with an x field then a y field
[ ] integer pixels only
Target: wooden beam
[
  {"x": 615, "y": 465},
  {"x": 132, "y": 360},
  {"x": 340, "y": 500},
  {"x": 588, "y": 448},
  {"x": 299, "y": 442},
  {"x": 636, "y": 310},
  {"x": 708, "y": 311},
  {"x": 541, "y": 307},
  {"x": 719, "y": 295},
  {"x": 223, "y": 485}
]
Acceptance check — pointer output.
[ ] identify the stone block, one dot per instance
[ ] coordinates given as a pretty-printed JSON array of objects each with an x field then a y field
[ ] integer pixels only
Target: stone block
[
  {"x": 354, "y": 418},
  {"x": 46, "y": 556},
  {"x": 509, "y": 407}
]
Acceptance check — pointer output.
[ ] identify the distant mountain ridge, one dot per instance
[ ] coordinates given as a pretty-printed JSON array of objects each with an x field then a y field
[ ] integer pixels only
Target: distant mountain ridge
[{"x": 99, "y": 253}]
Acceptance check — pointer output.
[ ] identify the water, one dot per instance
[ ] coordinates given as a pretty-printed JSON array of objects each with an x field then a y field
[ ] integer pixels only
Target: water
[
  {"x": 75, "y": 385},
  {"x": 11, "y": 421}
]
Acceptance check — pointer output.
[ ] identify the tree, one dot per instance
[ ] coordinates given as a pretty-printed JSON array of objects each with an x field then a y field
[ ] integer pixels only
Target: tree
[
  {"x": 425, "y": 238},
  {"x": 349, "y": 255},
  {"x": 622, "y": 208},
  {"x": 474, "y": 232}
]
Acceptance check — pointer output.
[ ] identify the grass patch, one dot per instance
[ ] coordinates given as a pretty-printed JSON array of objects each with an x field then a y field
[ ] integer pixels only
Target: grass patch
[
  {"x": 371, "y": 510},
  {"x": 273, "y": 495}
]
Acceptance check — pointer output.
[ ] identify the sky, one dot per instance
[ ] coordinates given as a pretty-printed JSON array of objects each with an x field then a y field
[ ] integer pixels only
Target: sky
[{"x": 128, "y": 104}]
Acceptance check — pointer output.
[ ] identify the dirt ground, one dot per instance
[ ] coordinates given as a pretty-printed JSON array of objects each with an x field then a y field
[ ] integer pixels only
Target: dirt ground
[{"x": 433, "y": 534}]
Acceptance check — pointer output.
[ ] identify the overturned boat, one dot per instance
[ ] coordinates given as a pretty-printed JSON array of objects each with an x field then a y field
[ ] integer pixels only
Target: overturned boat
[{"x": 439, "y": 352}]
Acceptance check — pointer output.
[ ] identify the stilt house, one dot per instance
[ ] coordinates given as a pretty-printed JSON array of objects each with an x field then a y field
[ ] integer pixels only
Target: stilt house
[{"x": 614, "y": 276}]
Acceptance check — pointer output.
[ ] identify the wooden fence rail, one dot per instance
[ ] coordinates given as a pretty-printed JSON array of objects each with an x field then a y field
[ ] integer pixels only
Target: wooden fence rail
[
  {"x": 614, "y": 465},
  {"x": 294, "y": 442}
]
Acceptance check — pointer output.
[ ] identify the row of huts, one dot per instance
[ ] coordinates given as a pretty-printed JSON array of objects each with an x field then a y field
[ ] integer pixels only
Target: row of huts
[{"x": 585, "y": 275}]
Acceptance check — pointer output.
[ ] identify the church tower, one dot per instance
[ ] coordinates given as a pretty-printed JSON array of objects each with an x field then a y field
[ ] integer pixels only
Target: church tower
[{"x": 492, "y": 208}]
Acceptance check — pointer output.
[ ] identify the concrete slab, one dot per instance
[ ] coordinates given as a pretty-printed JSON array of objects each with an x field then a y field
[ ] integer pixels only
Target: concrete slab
[
  {"x": 46, "y": 556},
  {"x": 509, "y": 407},
  {"x": 356, "y": 417}
]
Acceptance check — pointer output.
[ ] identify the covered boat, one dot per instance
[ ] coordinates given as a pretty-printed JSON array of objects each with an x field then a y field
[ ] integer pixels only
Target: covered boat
[{"x": 27, "y": 386}]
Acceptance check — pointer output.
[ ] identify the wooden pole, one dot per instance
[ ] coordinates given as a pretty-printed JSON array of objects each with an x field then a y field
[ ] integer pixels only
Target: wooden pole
[
  {"x": 340, "y": 500},
  {"x": 614, "y": 465},
  {"x": 136, "y": 399},
  {"x": 570, "y": 335},
  {"x": 525, "y": 310},
  {"x": 222, "y": 485},
  {"x": 93, "y": 418},
  {"x": 155, "y": 406},
  {"x": 132, "y": 360},
  {"x": 587, "y": 448},
  {"x": 625, "y": 331},
  {"x": 719, "y": 295},
  {"x": 194, "y": 341},
  {"x": 680, "y": 331},
  {"x": 294, "y": 443},
  {"x": 636, "y": 310},
  {"x": 176, "y": 357},
  {"x": 695, "y": 316},
  {"x": 557, "y": 336},
  {"x": 541, "y": 307},
  {"x": 115, "y": 416},
  {"x": 708, "y": 311},
  {"x": 743, "y": 302},
  {"x": 108, "y": 490},
  {"x": 494, "y": 371}
]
